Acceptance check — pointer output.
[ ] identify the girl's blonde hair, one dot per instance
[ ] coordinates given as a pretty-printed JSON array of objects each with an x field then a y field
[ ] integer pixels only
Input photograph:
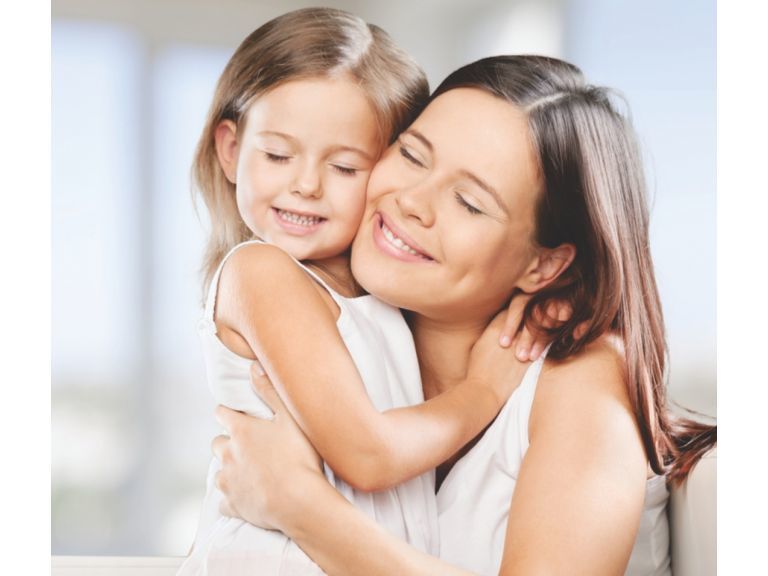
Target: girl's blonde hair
[{"x": 307, "y": 43}]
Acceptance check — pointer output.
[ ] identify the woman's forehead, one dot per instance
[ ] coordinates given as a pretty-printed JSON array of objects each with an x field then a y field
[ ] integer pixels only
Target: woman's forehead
[{"x": 472, "y": 130}]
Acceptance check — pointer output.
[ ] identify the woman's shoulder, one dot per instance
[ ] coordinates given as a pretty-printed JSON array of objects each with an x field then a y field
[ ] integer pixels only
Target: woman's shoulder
[
  {"x": 597, "y": 368},
  {"x": 586, "y": 391}
]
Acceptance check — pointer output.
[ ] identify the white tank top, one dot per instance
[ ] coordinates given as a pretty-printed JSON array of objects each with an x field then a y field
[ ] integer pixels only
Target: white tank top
[
  {"x": 381, "y": 345},
  {"x": 473, "y": 501}
]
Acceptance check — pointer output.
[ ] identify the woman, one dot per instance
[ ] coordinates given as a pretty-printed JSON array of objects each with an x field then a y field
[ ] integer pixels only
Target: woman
[{"x": 517, "y": 176}]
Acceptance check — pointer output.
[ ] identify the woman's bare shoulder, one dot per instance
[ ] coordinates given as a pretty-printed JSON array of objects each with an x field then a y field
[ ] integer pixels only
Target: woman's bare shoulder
[
  {"x": 597, "y": 367},
  {"x": 586, "y": 390}
]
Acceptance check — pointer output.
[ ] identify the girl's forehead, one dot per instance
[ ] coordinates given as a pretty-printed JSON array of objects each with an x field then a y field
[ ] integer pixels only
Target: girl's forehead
[{"x": 327, "y": 108}]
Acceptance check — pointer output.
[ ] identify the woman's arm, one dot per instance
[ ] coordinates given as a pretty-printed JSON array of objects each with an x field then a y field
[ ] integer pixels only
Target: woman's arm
[
  {"x": 575, "y": 509},
  {"x": 270, "y": 304},
  {"x": 579, "y": 496},
  {"x": 271, "y": 476}
]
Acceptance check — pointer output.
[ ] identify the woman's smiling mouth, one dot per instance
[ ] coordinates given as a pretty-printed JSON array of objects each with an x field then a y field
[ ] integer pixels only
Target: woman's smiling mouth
[{"x": 395, "y": 243}]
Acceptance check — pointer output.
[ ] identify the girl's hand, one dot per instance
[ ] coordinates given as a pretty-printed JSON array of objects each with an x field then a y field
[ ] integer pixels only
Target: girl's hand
[
  {"x": 527, "y": 344},
  {"x": 264, "y": 463},
  {"x": 493, "y": 366}
]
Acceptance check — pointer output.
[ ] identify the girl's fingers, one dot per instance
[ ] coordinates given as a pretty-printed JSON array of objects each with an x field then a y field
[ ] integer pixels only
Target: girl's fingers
[
  {"x": 524, "y": 344},
  {"x": 536, "y": 351},
  {"x": 580, "y": 330},
  {"x": 512, "y": 321},
  {"x": 564, "y": 312}
]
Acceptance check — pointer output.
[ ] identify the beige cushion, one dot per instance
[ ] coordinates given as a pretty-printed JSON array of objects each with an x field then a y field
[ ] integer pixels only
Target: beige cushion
[{"x": 693, "y": 520}]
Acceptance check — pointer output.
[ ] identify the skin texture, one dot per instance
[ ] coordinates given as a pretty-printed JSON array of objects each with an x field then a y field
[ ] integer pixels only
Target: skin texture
[
  {"x": 299, "y": 150},
  {"x": 579, "y": 497}
]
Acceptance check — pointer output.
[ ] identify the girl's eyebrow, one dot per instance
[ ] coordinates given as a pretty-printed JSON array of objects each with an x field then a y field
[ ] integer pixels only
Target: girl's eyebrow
[
  {"x": 278, "y": 134},
  {"x": 354, "y": 150}
]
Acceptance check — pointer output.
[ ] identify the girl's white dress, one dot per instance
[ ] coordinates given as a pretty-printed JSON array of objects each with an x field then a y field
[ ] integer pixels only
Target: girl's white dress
[
  {"x": 473, "y": 501},
  {"x": 382, "y": 348}
]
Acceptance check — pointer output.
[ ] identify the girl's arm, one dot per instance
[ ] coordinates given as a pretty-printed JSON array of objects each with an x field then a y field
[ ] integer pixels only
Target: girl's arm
[
  {"x": 271, "y": 307},
  {"x": 271, "y": 476},
  {"x": 575, "y": 509}
]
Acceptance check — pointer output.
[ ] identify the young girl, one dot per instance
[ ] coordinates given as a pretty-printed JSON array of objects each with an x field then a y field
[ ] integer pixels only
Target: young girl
[{"x": 300, "y": 115}]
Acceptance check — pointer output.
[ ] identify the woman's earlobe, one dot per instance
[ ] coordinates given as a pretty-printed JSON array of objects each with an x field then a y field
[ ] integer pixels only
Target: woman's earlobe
[
  {"x": 227, "y": 148},
  {"x": 547, "y": 267}
]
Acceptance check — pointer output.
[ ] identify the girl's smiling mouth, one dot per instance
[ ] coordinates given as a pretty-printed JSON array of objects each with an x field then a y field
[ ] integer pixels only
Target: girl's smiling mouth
[{"x": 297, "y": 223}]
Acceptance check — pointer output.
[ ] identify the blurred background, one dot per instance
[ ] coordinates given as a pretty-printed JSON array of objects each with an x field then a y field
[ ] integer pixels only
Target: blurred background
[{"x": 132, "y": 419}]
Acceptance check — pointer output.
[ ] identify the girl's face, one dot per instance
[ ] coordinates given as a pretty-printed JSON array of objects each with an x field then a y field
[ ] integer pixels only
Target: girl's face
[
  {"x": 301, "y": 162},
  {"x": 449, "y": 223}
]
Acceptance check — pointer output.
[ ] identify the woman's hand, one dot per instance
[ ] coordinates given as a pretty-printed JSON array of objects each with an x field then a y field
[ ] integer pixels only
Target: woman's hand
[{"x": 264, "y": 463}]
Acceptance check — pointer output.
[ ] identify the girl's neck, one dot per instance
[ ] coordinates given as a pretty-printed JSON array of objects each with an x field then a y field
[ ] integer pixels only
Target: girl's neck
[
  {"x": 336, "y": 271},
  {"x": 443, "y": 349}
]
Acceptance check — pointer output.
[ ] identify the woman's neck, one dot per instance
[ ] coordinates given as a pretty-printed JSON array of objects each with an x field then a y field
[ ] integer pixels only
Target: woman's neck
[
  {"x": 443, "y": 349},
  {"x": 336, "y": 271}
]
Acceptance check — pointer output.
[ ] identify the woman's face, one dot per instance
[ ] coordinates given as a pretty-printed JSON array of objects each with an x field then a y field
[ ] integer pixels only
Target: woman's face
[{"x": 449, "y": 222}]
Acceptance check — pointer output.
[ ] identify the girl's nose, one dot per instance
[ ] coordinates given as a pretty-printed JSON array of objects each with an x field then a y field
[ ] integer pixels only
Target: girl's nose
[{"x": 307, "y": 182}]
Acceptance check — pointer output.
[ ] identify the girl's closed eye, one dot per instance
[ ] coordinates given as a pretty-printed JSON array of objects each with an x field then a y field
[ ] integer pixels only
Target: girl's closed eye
[
  {"x": 345, "y": 170},
  {"x": 469, "y": 207},
  {"x": 277, "y": 158}
]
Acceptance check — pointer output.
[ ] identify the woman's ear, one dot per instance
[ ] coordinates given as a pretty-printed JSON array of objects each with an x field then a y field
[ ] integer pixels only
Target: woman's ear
[
  {"x": 227, "y": 148},
  {"x": 546, "y": 267}
]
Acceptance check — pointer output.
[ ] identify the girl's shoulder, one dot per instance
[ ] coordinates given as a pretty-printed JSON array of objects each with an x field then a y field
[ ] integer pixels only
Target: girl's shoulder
[
  {"x": 257, "y": 273},
  {"x": 259, "y": 264}
]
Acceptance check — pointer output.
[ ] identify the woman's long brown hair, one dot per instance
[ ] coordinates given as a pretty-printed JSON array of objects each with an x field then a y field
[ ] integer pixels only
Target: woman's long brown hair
[{"x": 595, "y": 198}]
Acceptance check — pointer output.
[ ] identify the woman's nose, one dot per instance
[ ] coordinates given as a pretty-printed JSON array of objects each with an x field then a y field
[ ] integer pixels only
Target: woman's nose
[
  {"x": 417, "y": 202},
  {"x": 306, "y": 182}
]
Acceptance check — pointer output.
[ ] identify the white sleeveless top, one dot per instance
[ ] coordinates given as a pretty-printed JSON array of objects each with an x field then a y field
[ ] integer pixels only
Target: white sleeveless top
[
  {"x": 381, "y": 345},
  {"x": 473, "y": 501}
]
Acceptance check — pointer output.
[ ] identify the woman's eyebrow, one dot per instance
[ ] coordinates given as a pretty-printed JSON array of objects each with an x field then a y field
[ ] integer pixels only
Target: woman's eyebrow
[
  {"x": 464, "y": 173},
  {"x": 487, "y": 187},
  {"x": 421, "y": 138}
]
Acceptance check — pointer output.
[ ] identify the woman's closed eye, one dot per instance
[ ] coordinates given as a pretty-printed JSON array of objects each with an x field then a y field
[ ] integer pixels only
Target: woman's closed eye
[
  {"x": 469, "y": 207},
  {"x": 409, "y": 156}
]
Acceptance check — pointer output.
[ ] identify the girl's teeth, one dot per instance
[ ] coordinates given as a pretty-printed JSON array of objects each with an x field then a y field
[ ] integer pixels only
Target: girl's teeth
[
  {"x": 397, "y": 242},
  {"x": 297, "y": 219}
]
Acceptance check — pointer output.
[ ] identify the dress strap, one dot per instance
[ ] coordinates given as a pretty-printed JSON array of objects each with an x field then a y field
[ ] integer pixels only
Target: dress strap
[
  {"x": 527, "y": 393},
  {"x": 213, "y": 289}
]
